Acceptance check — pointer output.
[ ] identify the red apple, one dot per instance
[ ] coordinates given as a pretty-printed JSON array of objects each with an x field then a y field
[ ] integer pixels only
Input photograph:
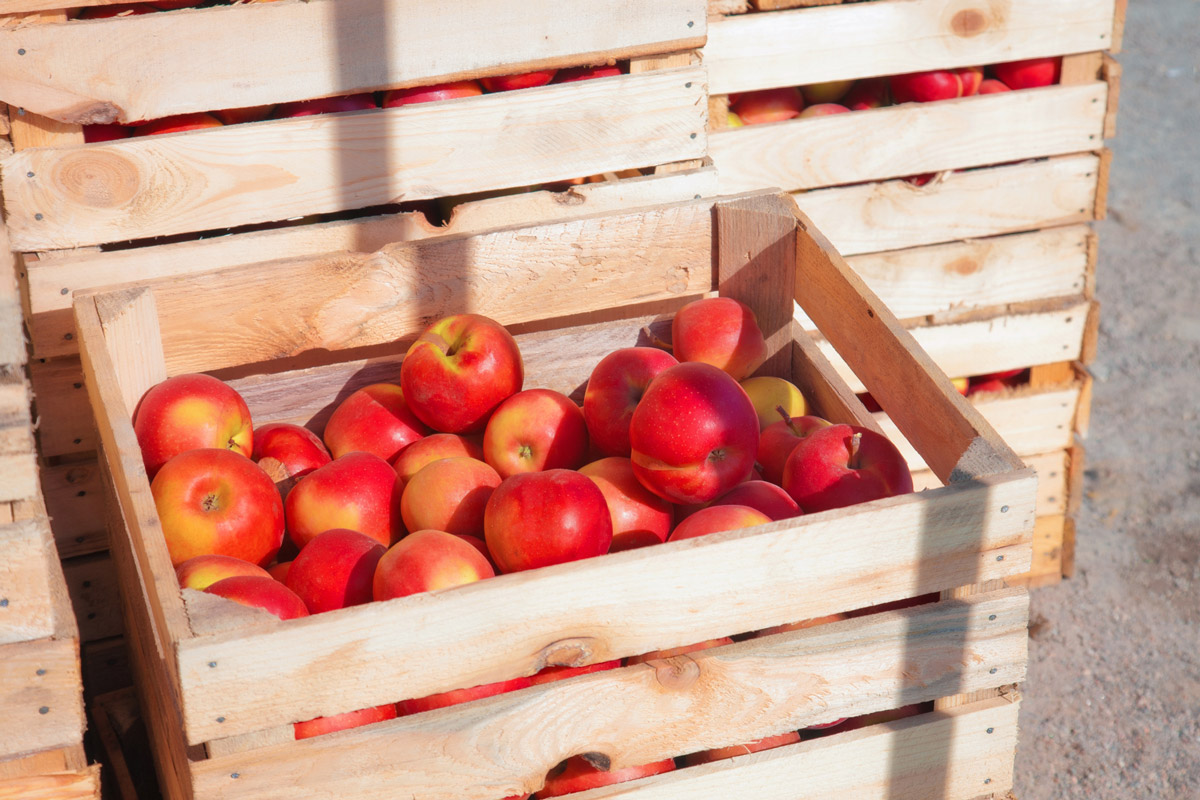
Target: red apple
[
  {"x": 374, "y": 419},
  {"x": 213, "y": 501},
  {"x": 106, "y": 133},
  {"x": 430, "y": 449},
  {"x": 480, "y": 545},
  {"x": 639, "y": 517},
  {"x": 335, "y": 570},
  {"x": 715, "y": 519},
  {"x": 720, "y": 331},
  {"x": 429, "y": 94},
  {"x": 325, "y": 105},
  {"x": 341, "y": 722},
  {"x": 457, "y": 372},
  {"x": 823, "y": 110},
  {"x": 535, "y": 430},
  {"x": 201, "y": 572},
  {"x": 117, "y": 10},
  {"x": 720, "y": 753},
  {"x": 258, "y": 592},
  {"x": 768, "y": 498},
  {"x": 356, "y": 491},
  {"x": 449, "y": 495},
  {"x": 428, "y": 560},
  {"x": 866, "y": 94},
  {"x": 187, "y": 412},
  {"x": 768, "y": 105},
  {"x": 1029, "y": 73},
  {"x": 536, "y": 519},
  {"x": 777, "y": 441},
  {"x": 506, "y": 83},
  {"x": 279, "y": 571},
  {"x": 970, "y": 77},
  {"x": 926, "y": 87},
  {"x": 694, "y": 434},
  {"x": 614, "y": 389},
  {"x": 585, "y": 73},
  {"x": 297, "y": 451},
  {"x": 443, "y": 699},
  {"x": 828, "y": 92},
  {"x": 841, "y": 465},
  {"x": 236, "y": 116},
  {"x": 551, "y": 674},
  {"x": 177, "y": 123},
  {"x": 993, "y": 86},
  {"x": 576, "y": 775}
]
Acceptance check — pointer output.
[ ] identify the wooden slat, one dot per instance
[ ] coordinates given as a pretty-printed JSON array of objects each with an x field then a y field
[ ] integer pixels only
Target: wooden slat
[
  {"x": 1049, "y": 551},
  {"x": 18, "y": 469},
  {"x": 965, "y": 205},
  {"x": 894, "y": 141},
  {"x": 95, "y": 596},
  {"x": 823, "y": 388},
  {"x": 760, "y": 51},
  {"x": 37, "y": 675},
  {"x": 74, "y": 504},
  {"x": 27, "y": 566},
  {"x": 1112, "y": 74},
  {"x": 12, "y": 337},
  {"x": 1052, "y": 471},
  {"x": 82, "y": 785},
  {"x": 64, "y": 421},
  {"x": 242, "y": 174},
  {"x": 650, "y": 711}
]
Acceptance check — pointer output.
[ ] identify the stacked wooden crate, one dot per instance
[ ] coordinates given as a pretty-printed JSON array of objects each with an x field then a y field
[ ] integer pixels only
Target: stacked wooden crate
[{"x": 991, "y": 263}]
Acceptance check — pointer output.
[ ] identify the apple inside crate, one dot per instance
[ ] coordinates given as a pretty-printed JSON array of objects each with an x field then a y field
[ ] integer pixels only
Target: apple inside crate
[{"x": 223, "y": 687}]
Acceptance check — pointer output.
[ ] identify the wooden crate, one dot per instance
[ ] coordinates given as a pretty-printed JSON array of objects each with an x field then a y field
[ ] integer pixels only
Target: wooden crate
[{"x": 221, "y": 689}]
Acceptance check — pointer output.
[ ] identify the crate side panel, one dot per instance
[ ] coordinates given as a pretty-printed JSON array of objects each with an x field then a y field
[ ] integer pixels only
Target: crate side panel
[
  {"x": 41, "y": 696},
  {"x": 27, "y": 599}
]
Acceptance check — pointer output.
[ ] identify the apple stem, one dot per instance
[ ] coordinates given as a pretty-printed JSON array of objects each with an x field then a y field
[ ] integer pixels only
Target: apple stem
[
  {"x": 788, "y": 419},
  {"x": 655, "y": 340},
  {"x": 855, "y": 441}
]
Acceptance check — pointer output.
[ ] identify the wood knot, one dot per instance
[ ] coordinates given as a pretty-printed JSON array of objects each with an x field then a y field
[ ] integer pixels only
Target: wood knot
[
  {"x": 963, "y": 266},
  {"x": 97, "y": 179},
  {"x": 969, "y": 22},
  {"x": 676, "y": 673},
  {"x": 575, "y": 652}
]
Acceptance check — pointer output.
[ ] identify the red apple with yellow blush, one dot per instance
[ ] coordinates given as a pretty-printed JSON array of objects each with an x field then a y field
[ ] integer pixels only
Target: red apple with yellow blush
[
  {"x": 614, "y": 389},
  {"x": 841, "y": 465},
  {"x": 356, "y": 491},
  {"x": 375, "y": 419},
  {"x": 258, "y": 592},
  {"x": 425, "y": 561},
  {"x": 639, "y": 517},
  {"x": 577, "y": 775},
  {"x": 720, "y": 331},
  {"x": 188, "y": 412},
  {"x": 201, "y": 572},
  {"x": 535, "y": 430},
  {"x": 433, "y": 447},
  {"x": 449, "y": 495},
  {"x": 455, "y": 696},
  {"x": 335, "y": 570},
  {"x": 717, "y": 518},
  {"x": 429, "y": 94}
]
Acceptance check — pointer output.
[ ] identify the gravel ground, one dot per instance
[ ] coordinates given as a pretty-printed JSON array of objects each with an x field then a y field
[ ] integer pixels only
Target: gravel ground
[{"x": 1112, "y": 702}]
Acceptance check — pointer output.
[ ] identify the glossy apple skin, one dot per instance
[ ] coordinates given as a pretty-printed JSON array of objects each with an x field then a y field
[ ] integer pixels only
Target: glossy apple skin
[
  {"x": 820, "y": 473},
  {"x": 768, "y": 105},
  {"x": 449, "y": 495},
  {"x": 433, "y": 447},
  {"x": 526, "y": 80},
  {"x": 356, "y": 491},
  {"x": 187, "y": 412},
  {"x": 535, "y": 430},
  {"x": 694, "y": 435},
  {"x": 777, "y": 441},
  {"x": 212, "y": 501},
  {"x": 480, "y": 545},
  {"x": 106, "y": 133},
  {"x": 767, "y": 393},
  {"x": 926, "y": 87},
  {"x": 970, "y": 77},
  {"x": 576, "y": 775},
  {"x": 1030, "y": 73},
  {"x": 720, "y": 331},
  {"x": 257, "y": 592},
  {"x": 551, "y": 674},
  {"x": 443, "y": 699},
  {"x": 201, "y": 572},
  {"x": 639, "y": 517},
  {"x": 429, "y": 94},
  {"x": 325, "y": 105},
  {"x": 828, "y": 92},
  {"x": 536, "y": 519},
  {"x": 866, "y": 94},
  {"x": 614, "y": 389},
  {"x": 715, "y": 519},
  {"x": 585, "y": 74},
  {"x": 375, "y": 419},
  {"x": 236, "y": 116},
  {"x": 823, "y": 110},
  {"x": 671, "y": 652},
  {"x": 297, "y": 449},
  {"x": 720, "y": 753},
  {"x": 457, "y": 372},
  {"x": 767, "y": 498},
  {"x": 428, "y": 560},
  {"x": 993, "y": 86},
  {"x": 335, "y": 570},
  {"x": 279, "y": 571},
  {"x": 340, "y": 722},
  {"x": 179, "y": 122}
]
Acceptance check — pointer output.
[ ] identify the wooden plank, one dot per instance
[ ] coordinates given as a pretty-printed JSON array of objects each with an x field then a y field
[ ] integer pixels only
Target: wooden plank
[
  {"x": 242, "y": 174},
  {"x": 647, "y": 712},
  {"x": 904, "y": 546},
  {"x": 894, "y": 141},
  {"x": 792, "y": 48},
  {"x": 64, "y": 418},
  {"x": 75, "y": 506},
  {"x": 1051, "y": 469},
  {"x": 95, "y": 596},
  {"x": 82, "y": 785},
  {"x": 316, "y": 49},
  {"x": 12, "y": 335},
  {"x": 818, "y": 381},
  {"x": 967, "y": 205},
  {"x": 27, "y": 565},
  {"x": 106, "y": 667},
  {"x": 1048, "y": 549},
  {"x": 1118, "y": 35},
  {"x": 1112, "y": 74},
  {"x": 775, "y": 5},
  {"x": 41, "y": 695},
  {"x": 106, "y": 713}
]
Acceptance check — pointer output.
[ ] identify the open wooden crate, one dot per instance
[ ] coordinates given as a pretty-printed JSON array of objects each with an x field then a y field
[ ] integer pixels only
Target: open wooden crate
[{"x": 220, "y": 688}]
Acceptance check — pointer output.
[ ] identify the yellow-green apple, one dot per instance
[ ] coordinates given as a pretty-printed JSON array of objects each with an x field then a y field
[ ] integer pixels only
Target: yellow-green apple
[
  {"x": 970, "y": 77},
  {"x": 720, "y": 331},
  {"x": 551, "y": 674},
  {"x": 374, "y": 419},
  {"x": 436, "y": 446},
  {"x": 585, "y": 73},
  {"x": 106, "y": 133},
  {"x": 671, "y": 652},
  {"x": 201, "y": 572},
  {"x": 457, "y": 372},
  {"x": 535, "y": 519},
  {"x": 455, "y": 696},
  {"x": 340, "y": 722},
  {"x": 535, "y": 430},
  {"x": 425, "y": 561},
  {"x": 694, "y": 435},
  {"x": 188, "y": 412},
  {"x": 779, "y": 439},
  {"x": 449, "y": 495},
  {"x": 926, "y": 87},
  {"x": 993, "y": 86},
  {"x": 236, "y": 116},
  {"x": 866, "y": 94},
  {"x": 828, "y": 92},
  {"x": 768, "y": 393},
  {"x": 732, "y": 120},
  {"x": 576, "y": 775},
  {"x": 768, "y": 105},
  {"x": 840, "y": 465},
  {"x": 1029, "y": 73},
  {"x": 218, "y": 502},
  {"x": 356, "y": 491},
  {"x": 720, "y": 753},
  {"x": 768, "y": 498},
  {"x": 325, "y": 105},
  {"x": 639, "y": 517},
  {"x": 614, "y": 389},
  {"x": 506, "y": 83},
  {"x": 259, "y": 592},
  {"x": 429, "y": 94},
  {"x": 715, "y": 519},
  {"x": 194, "y": 121},
  {"x": 823, "y": 110},
  {"x": 335, "y": 570},
  {"x": 288, "y": 452}
]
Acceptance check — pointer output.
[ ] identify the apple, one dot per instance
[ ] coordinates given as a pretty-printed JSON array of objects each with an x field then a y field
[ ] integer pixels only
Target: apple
[
  {"x": 639, "y": 517},
  {"x": 970, "y": 77},
  {"x": 340, "y": 722},
  {"x": 866, "y": 94},
  {"x": 200, "y": 572},
  {"x": 840, "y": 465},
  {"x": 767, "y": 498},
  {"x": 258, "y": 592},
  {"x": 720, "y": 331},
  {"x": 526, "y": 80},
  {"x": 926, "y": 87},
  {"x": 671, "y": 652},
  {"x": 768, "y": 393},
  {"x": 694, "y": 435},
  {"x": 288, "y": 452},
  {"x": 425, "y": 561},
  {"x": 585, "y": 73},
  {"x": 429, "y": 94},
  {"x": 614, "y": 389},
  {"x": 449, "y": 495},
  {"x": 106, "y": 133},
  {"x": 116, "y": 10},
  {"x": 823, "y": 110},
  {"x": 236, "y": 116},
  {"x": 551, "y": 674},
  {"x": 279, "y": 571},
  {"x": 732, "y": 120},
  {"x": 995, "y": 381},
  {"x": 443, "y": 699},
  {"x": 335, "y": 570},
  {"x": 715, "y": 519},
  {"x": 535, "y": 430},
  {"x": 374, "y": 419},
  {"x": 457, "y": 372},
  {"x": 217, "y": 502},
  {"x": 177, "y": 123},
  {"x": 1029, "y": 73},
  {"x": 576, "y": 775},
  {"x": 356, "y": 491},
  {"x": 187, "y": 412},
  {"x": 768, "y": 105},
  {"x": 325, "y": 105},
  {"x": 480, "y": 545},
  {"x": 433, "y": 447},
  {"x": 828, "y": 92},
  {"x": 720, "y": 753},
  {"x": 961, "y": 384},
  {"x": 778, "y": 439},
  {"x": 535, "y": 519},
  {"x": 993, "y": 86}
]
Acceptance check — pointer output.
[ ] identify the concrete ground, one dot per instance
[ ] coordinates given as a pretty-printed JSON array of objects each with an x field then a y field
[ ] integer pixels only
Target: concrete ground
[{"x": 1112, "y": 702}]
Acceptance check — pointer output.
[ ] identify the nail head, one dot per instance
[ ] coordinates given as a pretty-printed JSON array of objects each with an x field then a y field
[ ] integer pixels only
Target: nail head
[
  {"x": 235, "y": 775},
  {"x": 212, "y": 664},
  {"x": 991, "y": 730},
  {"x": 3, "y": 602},
  {"x": 999, "y": 558},
  {"x": 992, "y": 617},
  {"x": 690, "y": 23},
  {"x": 693, "y": 136},
  {"x": 41, "y": 671},
  {"x": 1003, "y": 509},
  {"x": 44, "y": 710},
  {"x": 21, "y": 51},
  {"x": 220, "y": 719},
  {"x": 37, "y": 216},
  {"x": 64, "y": 290},
  {"x": 28, "y": 174}
]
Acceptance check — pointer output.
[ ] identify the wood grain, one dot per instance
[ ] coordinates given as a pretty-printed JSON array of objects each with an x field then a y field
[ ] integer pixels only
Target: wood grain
[
  {"x": 74, "y": 503},
  {"x": 64, "y": 422},
  {"x": 1052, "y": 471},
  {"x": 95, "y": 597},
  {"x": 40, "y": 674},
  {"x": 27, "y": 565},
  {"x": 81, "y": 785}
]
